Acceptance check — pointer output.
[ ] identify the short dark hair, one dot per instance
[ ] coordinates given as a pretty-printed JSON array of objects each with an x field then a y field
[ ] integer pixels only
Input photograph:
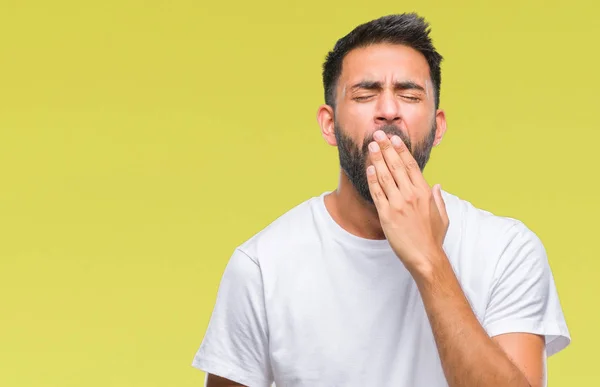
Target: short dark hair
[{"x": 408, "y": 29}]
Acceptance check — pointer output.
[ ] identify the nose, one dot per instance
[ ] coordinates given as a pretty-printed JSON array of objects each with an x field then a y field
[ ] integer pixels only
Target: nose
[{"x": 388, "y": 109}]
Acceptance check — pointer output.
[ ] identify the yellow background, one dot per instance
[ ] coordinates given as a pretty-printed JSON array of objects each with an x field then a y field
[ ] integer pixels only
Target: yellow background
[{"x": 141, "y": 141}]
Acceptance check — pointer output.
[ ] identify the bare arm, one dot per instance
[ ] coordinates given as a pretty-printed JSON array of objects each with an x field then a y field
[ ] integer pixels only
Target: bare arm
[
  {"x": 469, "y": 356},
  {"x": 217, "y": 381}
]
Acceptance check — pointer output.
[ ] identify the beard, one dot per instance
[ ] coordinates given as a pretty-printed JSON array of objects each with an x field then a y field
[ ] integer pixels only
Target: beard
[{"x": 353, "y": 159}]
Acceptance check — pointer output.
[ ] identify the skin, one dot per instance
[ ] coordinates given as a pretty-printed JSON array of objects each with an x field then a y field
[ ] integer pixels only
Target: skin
[{"x": 411, "y": 215}]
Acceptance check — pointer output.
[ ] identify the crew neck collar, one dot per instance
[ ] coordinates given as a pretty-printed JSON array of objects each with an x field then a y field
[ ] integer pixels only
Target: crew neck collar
[{"x": 344, "y": 236}]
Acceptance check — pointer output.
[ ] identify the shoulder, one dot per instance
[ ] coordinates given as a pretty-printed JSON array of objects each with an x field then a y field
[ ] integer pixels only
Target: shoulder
[
  {"x": 480, "y": 243},
  {"x": 292, "y": 229},
  {"x": 475, "y": 226},
  {"x": 486, "y": 249}
]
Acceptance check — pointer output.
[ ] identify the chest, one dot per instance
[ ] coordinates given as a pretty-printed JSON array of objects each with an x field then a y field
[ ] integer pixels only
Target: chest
[{"x": 351, "y": 326}]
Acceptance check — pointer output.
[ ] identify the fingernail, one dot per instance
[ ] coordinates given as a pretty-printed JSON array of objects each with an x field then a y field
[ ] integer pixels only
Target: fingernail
[
  {"x": 373, "y": 147},
  {"x": 370, "y": 170},
  {"x": 379, "y": 135},
  {"x": 396, "y": 141}
]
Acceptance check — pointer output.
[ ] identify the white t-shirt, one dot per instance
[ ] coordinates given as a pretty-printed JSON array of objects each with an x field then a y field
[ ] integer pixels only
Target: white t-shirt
[{"x": 304, "y": 303}]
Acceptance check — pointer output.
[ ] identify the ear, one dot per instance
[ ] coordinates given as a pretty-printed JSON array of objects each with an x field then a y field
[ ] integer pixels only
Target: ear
[
  {"x": 440, "y": 118},
  {"x": 326, "y": 117}
]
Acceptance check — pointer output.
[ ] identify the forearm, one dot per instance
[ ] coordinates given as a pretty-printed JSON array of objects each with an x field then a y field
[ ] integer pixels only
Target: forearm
[{"x": 469, "y": 356}]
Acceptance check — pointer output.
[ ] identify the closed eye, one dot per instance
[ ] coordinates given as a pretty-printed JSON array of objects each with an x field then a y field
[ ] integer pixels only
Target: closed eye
[
  {"x": 411, "y": 98},
  {"x": 362, "y": 97}
]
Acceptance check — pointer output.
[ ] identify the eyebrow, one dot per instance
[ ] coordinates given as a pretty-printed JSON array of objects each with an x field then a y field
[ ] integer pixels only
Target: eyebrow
[{"x": 376, "y": 85}]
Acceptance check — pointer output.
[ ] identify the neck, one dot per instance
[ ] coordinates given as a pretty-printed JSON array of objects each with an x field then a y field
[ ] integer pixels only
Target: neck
[{"x": 352, "y": 212}]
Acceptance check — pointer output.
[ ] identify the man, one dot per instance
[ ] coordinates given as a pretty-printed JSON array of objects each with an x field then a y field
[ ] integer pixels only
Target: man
[{"x": 385, "y": 281}]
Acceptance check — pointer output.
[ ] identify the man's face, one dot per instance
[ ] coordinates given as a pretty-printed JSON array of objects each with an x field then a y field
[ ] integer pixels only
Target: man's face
[{"x": 383, "y": 87}]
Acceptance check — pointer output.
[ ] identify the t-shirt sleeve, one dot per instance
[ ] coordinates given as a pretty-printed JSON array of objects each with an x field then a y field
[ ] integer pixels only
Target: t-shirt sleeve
[
  {"x": 235, "y": 345},
  {"x": 523, "y": 296}
]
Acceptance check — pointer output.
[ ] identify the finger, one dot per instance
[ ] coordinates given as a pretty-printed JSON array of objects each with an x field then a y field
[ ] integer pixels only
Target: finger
[
  {"x": 394, "y": 162},
  {"x": 441, "y": 205},
  {"x": 410, "y": 164},
  {"x": 386, "y": 181},
  {"x": 379, "y": 198}
]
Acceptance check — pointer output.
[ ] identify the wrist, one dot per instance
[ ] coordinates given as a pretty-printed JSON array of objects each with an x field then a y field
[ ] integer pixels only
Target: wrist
[{"x": 432, "y": 268}]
